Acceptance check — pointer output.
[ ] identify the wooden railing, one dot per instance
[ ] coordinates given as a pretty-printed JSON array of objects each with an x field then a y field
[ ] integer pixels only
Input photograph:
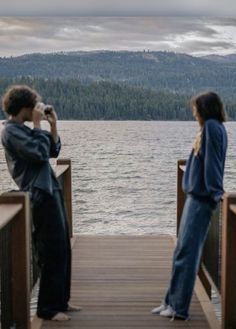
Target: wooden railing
[
  {"x": 15, "y": 250},
  {"x": 228, "y": 277},
  {"x": 180, "y": 193},
  {"x": 15, "y": 262},
  {"x": 218, "y": 267},
  {"x": 63, "y": 172}
]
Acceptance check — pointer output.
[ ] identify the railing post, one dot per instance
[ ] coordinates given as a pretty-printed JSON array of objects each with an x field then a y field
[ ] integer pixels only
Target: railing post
[
  {"x": 20, "y": 259},
  {"x": 180, "y": 193},
  {"x": 228, "y": 279},
  {"x": 67, "y": 191}
]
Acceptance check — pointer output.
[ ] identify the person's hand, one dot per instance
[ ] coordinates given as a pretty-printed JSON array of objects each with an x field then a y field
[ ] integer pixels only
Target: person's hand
[
  {"x": 37, "y": 115},
  {"x": 51, "y": 117}
]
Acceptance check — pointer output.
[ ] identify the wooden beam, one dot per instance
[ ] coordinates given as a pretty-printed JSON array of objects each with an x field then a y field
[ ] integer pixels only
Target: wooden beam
[
  {"x": 228, "y": 279},
  {"x": 61, "y": 169},
  {"x": 67, "y": 190},
  {"x": 20, "y": 251},
  {"x": 7, "y": 213},
  {"x": 180, "y": 193},
  {"x": 206, "y": 304}
]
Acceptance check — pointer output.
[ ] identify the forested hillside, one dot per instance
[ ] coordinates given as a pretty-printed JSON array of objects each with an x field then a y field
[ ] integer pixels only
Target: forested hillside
[{"x": 122, "y": 85}]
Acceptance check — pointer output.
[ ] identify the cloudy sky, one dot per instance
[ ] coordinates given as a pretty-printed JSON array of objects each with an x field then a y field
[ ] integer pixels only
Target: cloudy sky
[
  {"x": 29, "y": 26},
  {"x": 117, "y": 7}
]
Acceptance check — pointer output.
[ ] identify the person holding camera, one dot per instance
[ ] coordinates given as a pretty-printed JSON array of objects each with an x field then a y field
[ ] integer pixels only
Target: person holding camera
[{"x": 27, "y": 152}]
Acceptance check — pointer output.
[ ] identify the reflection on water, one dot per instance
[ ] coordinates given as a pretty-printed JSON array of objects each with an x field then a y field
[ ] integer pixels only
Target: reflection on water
[{"x": 124, "y": 173}]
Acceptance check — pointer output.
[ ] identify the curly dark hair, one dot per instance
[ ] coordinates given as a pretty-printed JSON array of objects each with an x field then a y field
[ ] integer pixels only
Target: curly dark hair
[
  {"x": 209, "y": 106},
  {"x": 17, "y": 97}
]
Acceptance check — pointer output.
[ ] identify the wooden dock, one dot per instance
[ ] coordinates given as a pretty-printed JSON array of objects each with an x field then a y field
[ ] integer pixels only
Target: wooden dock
[{"x": 119, "y": 279}]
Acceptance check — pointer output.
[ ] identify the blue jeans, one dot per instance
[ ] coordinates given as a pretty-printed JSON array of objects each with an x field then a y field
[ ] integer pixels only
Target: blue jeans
[{"x": 193, "y": 230}]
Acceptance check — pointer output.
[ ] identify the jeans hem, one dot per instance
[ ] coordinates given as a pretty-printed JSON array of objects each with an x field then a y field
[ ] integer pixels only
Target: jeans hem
[{"x": 179, "y": 316}]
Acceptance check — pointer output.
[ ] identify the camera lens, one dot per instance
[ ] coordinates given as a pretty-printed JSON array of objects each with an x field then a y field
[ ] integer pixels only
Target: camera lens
[{"x": 47, "y": 109}]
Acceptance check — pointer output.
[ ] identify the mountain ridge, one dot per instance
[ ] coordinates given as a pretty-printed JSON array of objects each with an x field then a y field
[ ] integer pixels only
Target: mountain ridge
[
  {"x": 156, "y": 70},
  {"x": 109, "y": 85}
]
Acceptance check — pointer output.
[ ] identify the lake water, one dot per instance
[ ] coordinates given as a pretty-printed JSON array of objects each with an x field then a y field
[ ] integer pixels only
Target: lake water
[{"x": 124, "y": 173}]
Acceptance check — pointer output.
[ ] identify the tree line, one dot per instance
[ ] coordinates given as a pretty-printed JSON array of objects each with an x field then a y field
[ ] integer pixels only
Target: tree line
[
  {"x": 155, "y": 70},
  {"x": 103, "y": 100}
]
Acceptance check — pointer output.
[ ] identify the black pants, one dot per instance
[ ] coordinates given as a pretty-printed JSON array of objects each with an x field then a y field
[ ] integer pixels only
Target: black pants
[{"x": 52, "y": 244}]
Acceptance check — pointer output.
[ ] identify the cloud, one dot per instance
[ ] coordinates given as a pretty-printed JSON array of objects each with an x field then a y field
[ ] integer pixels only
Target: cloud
[
  {"x": 193, "y": 35},
  {"x": 121, "y": 7}
]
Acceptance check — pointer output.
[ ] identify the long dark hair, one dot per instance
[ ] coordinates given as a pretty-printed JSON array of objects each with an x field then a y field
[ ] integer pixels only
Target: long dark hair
[{"x": 209, "y": 106}]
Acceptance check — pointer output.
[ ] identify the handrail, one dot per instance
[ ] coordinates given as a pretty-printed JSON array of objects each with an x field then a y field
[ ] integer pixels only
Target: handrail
[
  {"x": 61, "y": 169},
  {"x": 18, "y": 215},
  {"x": 64, "y": 175},
  {"x": 8, "y": 213},
  {"x": 228, "y": 278},
  {"x": 233, "y": 208},
  {"x": 183, "y": 167},
  {"x": 226, "y": 252},
  {"x": 180, "y": 193},
  {"x": 15, "y": 211}
]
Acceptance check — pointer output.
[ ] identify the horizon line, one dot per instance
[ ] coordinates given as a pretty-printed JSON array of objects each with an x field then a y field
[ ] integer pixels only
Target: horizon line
[{"x": 113, "y": 51}]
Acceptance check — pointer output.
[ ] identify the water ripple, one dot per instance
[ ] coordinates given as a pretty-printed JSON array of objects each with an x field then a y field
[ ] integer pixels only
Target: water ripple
[{"x": 124, "y": 173}]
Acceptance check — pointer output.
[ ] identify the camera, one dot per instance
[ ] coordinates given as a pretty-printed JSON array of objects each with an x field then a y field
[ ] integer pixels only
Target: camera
[{"x": 46, "y": 109}]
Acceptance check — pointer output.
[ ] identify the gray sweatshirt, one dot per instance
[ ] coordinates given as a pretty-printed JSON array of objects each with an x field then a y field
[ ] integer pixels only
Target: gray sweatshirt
[{"x": 27, "y": 153}]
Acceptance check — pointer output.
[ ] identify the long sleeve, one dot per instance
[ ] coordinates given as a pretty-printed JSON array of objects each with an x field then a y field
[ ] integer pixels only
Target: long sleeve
[
  {"x": 33, "y": 147},
  {"x": 213, "y": 161},
  {"x": 203, "y": 177},
  {"x": 55, "y": 148},
  {"x": 27, "y": 153}
]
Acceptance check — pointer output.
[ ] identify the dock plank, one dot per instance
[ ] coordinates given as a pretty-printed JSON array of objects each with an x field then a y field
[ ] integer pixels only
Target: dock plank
[{"x": 119, "y": 279}]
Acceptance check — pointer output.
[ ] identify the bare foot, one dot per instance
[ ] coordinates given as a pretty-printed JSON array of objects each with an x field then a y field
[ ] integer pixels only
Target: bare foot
[
  {"x": 60, "y": 317},
  {"x": 73, "y": 308}
]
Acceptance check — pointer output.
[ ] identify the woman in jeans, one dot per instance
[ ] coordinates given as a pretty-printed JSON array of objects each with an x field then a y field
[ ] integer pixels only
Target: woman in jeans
[{"x": 203, "y": 185}]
